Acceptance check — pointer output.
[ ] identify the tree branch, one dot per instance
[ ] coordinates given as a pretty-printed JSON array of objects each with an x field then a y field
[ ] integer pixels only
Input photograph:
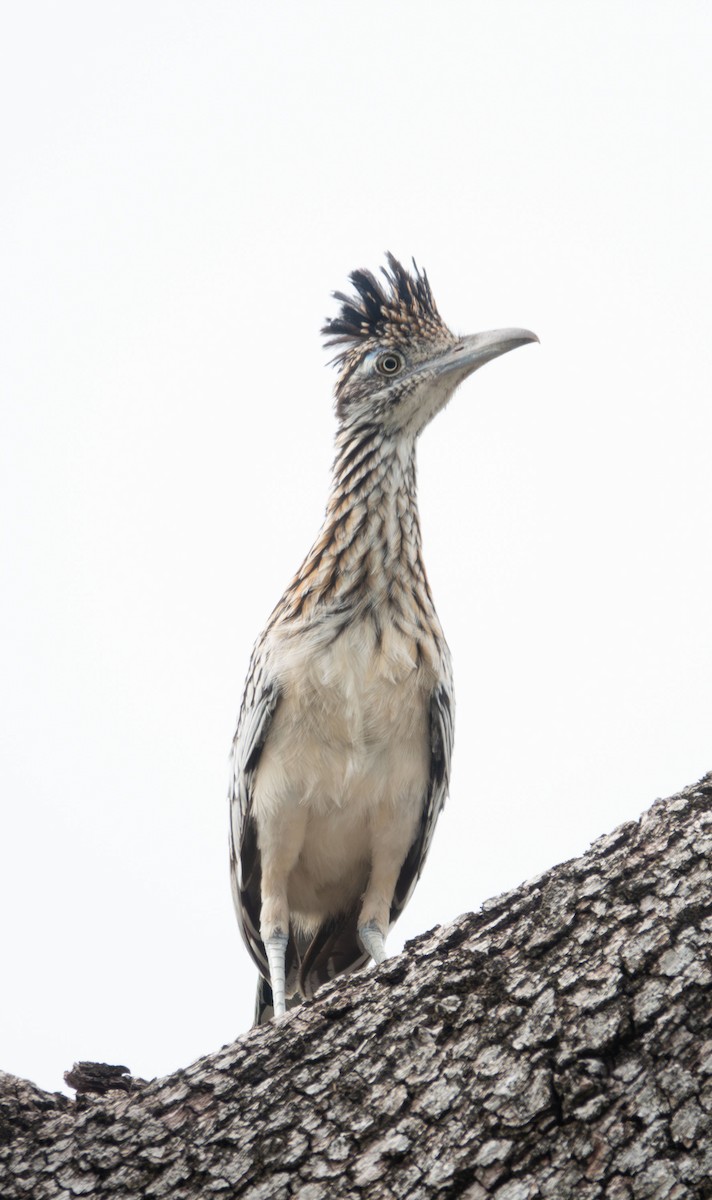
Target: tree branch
[{"x": 556, "y": 1044}]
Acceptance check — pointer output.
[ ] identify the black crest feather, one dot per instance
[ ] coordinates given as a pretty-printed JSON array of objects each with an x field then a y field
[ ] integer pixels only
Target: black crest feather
[{"x": 402, "y": 306}]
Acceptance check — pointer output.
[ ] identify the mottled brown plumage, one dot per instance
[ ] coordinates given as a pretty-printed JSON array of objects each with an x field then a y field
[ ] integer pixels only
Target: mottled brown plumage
[{"x": 342, "y": 753}]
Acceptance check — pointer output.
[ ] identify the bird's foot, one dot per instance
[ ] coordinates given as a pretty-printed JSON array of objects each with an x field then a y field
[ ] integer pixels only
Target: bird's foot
[
  {"x": 373, "y": 941},
  {"x": 276, "y": 947}
]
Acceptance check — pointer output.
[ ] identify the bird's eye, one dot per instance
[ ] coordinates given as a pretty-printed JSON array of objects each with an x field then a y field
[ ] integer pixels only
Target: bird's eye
[{"x": 389, "y": 364}]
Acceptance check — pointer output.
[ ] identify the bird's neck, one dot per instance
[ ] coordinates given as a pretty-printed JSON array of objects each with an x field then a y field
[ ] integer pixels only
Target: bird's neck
[
  {"x": 368, "y": 552},
  {"x": 372, "y": 511}
]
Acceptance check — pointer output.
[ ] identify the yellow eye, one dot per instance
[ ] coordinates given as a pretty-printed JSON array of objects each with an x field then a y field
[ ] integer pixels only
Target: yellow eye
[{"x": 389, "y": 363}]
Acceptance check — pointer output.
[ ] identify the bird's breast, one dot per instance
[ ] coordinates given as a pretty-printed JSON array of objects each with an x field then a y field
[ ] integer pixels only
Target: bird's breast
[{"x": 352, "y": 720}]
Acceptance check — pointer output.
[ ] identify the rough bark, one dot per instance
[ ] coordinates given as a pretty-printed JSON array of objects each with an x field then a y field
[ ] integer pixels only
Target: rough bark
[{"x": 556, "y": 1044}]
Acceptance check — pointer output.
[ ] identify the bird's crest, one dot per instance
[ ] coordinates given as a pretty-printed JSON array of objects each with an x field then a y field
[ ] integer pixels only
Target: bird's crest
[{"x": 392, "y": 313}]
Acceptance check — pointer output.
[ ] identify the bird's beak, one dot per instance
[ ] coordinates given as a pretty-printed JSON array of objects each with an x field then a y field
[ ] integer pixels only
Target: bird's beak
[{"x": 480, "y": 348}]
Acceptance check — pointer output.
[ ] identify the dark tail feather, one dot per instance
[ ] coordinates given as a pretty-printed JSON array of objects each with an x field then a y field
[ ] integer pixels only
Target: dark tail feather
[{"x": 334, "y": 950}]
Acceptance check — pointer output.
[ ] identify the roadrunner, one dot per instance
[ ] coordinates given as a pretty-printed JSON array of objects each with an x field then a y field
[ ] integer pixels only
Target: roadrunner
[{"x": 341, "y": 759}]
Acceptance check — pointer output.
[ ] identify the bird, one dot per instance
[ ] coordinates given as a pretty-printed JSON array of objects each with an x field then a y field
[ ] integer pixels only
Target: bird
[{"x": 340, "y": 764}]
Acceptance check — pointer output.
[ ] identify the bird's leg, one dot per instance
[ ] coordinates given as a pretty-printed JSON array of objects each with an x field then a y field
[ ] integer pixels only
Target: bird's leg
[
  {"x": 276, "y": 947},
  {"x": 390, "y": 842},
  {"x": 373, "y": 941},
  {"x": 274, "y": 931},
  {"x": 280, "y": 844},
  {"x": 389, "y": 846}
]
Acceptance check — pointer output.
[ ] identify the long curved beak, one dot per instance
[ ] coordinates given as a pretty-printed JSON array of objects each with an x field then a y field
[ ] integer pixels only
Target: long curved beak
[{"x": 480, "y": 348}]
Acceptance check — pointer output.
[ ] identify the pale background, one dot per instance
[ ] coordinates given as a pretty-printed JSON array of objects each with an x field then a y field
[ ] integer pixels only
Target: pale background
[{"x": 184, "y": 184}]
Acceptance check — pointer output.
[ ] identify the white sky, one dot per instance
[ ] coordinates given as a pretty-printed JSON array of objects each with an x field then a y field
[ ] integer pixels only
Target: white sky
[{"x": 184, "y": 185}]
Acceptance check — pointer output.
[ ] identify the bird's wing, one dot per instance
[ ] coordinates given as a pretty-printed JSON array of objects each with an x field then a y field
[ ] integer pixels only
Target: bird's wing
[
  {"x": 258, "y": 707},
  {"x": 441, "y": 739}
]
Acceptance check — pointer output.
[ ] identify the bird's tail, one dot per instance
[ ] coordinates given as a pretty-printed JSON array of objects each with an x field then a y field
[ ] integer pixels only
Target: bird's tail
[{"x": 334, "y": 950}]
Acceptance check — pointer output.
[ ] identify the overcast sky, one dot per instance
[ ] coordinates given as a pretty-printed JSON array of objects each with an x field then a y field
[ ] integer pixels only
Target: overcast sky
[{"x": 184, "y": 185}]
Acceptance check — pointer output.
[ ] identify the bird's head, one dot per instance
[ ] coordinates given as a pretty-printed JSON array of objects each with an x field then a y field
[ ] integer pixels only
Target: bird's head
[{"x": 399, "y": 363}]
